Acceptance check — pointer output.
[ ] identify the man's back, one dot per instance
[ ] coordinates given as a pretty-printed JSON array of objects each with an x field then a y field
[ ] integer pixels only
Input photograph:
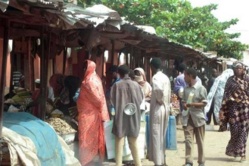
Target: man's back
[
  {"x": 179, "y": 83},
  {"x": 159, "y": 111},
  {"x": 126, "y": 89},
  {"x": 161, "y": 82},
  {"x": 123, "y": 92}
]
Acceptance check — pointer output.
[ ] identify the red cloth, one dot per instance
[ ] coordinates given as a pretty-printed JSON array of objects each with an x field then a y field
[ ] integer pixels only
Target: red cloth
[
  {"x": 36, "y": 109},
  {"x": 56, "y": 82},
  {"x": 92, "y": 112}
]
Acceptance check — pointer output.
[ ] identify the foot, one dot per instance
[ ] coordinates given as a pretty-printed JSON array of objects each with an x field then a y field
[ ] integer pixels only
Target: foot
[
  {"x": 235, "y": 159},
  {"x": 202, "y": 164},
  {"x": 188, "y": 164},
  {"x": 129, "y": 164},
  {"x": 243, "y": 159}
]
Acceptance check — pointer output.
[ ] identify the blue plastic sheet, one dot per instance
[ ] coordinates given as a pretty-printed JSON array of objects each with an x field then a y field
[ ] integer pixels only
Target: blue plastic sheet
[{"x": 49, "y": 150}]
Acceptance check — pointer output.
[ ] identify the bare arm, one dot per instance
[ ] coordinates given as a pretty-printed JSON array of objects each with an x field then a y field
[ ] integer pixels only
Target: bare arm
[{"x": 197, "y": 105}]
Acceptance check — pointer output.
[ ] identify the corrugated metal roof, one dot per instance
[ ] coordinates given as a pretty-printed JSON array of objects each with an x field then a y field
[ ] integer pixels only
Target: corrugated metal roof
[
  {"x": 62, "y": 15},
  {"x": 67, "y": 17},
  {"x": 154, "y": 44},
  {"x": 97, "y": 14},
  {"x": 53, "y": 4}
]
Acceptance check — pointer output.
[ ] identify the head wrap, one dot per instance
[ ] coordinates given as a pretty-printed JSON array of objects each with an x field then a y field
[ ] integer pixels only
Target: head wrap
[
  {"x": 237, "y": 63},
  {"x": 140, "y": 79},
  {"x": 156, "y": 63}
]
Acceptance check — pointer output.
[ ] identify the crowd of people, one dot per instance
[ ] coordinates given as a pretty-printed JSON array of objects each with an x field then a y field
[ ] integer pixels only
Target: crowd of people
[
  {"x": 130, "y": 89},
  {"x": 124, "y": 101},
  {"x": 130, "y": 96}
]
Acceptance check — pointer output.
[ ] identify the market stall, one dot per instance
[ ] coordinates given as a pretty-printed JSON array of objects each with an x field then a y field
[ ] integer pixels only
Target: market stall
[{"x": 58, "y": 26}]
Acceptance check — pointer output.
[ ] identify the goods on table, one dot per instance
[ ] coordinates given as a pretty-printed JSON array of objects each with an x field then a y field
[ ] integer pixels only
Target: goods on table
[
  {"x": 56, "y": 114},
  {"x": 60, "y": 126},
  {"x": 22, "y": 97}
]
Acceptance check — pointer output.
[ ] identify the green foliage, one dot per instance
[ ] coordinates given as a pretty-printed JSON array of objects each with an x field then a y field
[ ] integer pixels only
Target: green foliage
[{"x": 178, "y": 21}]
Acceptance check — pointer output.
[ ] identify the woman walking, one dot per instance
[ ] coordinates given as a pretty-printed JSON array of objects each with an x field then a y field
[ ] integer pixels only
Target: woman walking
[{"x": 235, "y": 111}]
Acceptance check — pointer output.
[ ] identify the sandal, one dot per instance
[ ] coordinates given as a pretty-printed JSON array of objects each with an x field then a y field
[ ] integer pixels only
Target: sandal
[{"x": 128, "y": 163}]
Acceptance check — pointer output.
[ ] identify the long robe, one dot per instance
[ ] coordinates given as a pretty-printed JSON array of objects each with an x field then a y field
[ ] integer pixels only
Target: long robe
[
  {"x": 216, "y": 93},
  {"x": 161, "y": 91},
  {"x": 92, "y": 111},
  {"x": 235, "y": 110}
]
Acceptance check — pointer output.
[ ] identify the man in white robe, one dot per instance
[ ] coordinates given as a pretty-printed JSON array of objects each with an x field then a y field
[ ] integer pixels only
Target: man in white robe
[{"x": 159, "y": 112}]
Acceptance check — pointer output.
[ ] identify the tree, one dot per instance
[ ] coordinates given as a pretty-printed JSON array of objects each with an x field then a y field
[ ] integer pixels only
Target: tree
[{"x": 178, "y": 21}]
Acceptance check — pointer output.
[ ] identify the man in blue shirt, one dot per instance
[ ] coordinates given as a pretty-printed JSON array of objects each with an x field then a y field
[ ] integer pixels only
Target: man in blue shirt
[
  {"x": 113, "y": 73},
  {"x": 179, "y": 83}
]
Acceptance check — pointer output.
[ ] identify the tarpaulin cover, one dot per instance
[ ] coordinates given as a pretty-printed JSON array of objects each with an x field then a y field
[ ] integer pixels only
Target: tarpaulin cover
[{"x": 49, "y": 150}]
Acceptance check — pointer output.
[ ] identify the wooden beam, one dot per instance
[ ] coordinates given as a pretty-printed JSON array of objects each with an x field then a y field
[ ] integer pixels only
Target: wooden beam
[
  {"x": 114, "y": 35},
  {"x": 3, "y": 72},
  {"x": 17, "y": 33}
]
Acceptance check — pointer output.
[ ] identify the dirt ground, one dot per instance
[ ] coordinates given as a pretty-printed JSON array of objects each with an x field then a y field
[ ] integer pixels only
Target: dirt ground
[{"x": 215, "y": 145}]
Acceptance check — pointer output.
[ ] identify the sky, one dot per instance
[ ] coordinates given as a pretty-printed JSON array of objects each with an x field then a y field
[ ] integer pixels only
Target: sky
[{"x": 229, "y": 9}]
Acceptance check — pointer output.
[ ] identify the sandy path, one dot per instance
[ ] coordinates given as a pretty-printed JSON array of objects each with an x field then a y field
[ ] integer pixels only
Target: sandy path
[{"x": 215, "y": 144}]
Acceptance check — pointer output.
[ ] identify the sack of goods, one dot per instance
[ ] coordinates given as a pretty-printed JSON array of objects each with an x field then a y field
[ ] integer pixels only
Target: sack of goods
[{"x": 63, "y": 129}]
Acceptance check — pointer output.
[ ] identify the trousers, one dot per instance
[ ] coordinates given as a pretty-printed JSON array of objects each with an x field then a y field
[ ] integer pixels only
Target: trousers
[
  {"x": 199, "y": 132},
  {"x": 119, "y": 145}
]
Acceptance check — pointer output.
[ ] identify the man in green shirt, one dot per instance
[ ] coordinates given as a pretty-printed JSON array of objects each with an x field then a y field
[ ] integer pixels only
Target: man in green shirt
[{"x": 194, "y": 100}]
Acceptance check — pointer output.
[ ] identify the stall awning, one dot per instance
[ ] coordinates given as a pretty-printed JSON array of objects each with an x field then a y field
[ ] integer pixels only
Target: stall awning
[
  {"x": 144, "y": 38},
  {"x": 56, "y": 13},
  {"x": 73, "y": 23}
]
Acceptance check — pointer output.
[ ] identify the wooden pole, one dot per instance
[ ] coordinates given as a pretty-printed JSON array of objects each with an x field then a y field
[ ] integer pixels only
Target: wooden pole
[
  {"x": 31, "y": 67},
  {"x": 54, "y": 64},
  {"x": 112, "y": 51},
  {"x": 43, "y": 85},
  {"x": 3, "y": 72},
  {"x": 64, "y": 60},
  {"x": 131, "y": 56},
  {"x": 141, "y": 62},
  {"x": 127, "y": 59},
  {"x": 11, "y": 69}
]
